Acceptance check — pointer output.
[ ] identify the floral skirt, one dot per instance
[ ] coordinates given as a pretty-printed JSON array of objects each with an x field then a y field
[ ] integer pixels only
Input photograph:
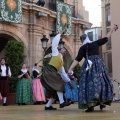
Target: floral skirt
[
  {"x": 95, "y": 85},
  {"x": 24, "y": 91},
  {"x": 37, "y": 90},
  {"x": 71, "y": 94}
]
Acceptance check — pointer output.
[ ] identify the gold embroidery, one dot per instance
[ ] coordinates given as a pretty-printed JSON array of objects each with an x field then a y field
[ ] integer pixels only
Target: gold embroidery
[
  {"x": 64, "y": 19},
  {"x": 11, "y": 4}
]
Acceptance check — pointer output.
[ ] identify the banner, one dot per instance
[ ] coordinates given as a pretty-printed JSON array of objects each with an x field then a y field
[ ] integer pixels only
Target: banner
[
  {"x": 11, "y": 10},
  {"x": 0, "y": 11},
  {"x": 64, "y": 17}
]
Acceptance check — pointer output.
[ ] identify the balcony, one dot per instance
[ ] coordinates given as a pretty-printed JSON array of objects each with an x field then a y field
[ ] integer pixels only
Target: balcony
[
  {"x": 51, "y": 5},
  {"x": 26, "y": 1},
  {"x": 108, "y": 20}
]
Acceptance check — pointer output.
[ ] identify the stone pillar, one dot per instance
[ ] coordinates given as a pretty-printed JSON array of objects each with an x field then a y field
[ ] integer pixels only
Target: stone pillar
[{"x": 104, "y": 27}]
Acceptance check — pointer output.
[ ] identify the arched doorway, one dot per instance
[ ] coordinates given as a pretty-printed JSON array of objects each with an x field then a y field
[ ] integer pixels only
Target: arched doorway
[
  {"x": 4, "y": 38},
  {"x": 67, "y": 58}
]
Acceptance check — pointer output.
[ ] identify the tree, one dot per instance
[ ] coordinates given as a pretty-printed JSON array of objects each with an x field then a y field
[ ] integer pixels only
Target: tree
[{"x": 14, "y": 54}]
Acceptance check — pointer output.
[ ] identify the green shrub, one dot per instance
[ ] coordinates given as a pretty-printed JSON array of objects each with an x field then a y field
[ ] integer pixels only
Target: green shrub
[{"x": 14, "y": 54}]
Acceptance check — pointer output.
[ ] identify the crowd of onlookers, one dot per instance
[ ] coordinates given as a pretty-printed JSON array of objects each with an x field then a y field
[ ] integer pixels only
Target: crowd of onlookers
[{"x": 29, "y": 88}]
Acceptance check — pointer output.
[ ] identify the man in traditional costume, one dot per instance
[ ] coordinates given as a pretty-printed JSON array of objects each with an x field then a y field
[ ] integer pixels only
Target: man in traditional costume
[
  {"x": 5, "y": 74},
  {"x": 54, "y": 74}
]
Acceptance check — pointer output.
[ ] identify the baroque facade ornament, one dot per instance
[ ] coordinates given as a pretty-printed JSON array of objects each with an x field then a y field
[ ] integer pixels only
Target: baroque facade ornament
[
  {"x": 11, "y": 4},
  {"x": 64, "y": 17},
  {"x": 11, "y": 11}
]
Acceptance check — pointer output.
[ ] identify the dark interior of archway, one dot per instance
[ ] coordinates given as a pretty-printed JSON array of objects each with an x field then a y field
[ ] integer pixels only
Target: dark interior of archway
[{"x": 3, "y": 40}]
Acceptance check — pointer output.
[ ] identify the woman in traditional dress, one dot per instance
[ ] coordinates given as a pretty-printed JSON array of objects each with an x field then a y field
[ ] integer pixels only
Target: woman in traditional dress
[
  {"x": 37, "y": 89},
  {"x": 24, "y": 91},
  {"x": 95, "y": 86},
  {"x": 71, "y": 94}
]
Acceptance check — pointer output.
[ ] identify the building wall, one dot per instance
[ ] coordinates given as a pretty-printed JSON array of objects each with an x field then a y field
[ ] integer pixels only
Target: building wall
[
  {"x": 85, "y": 14},
  {"x": 106, "y": 49},
  {"x": 34, "y": 27},
  {"x": 111, "y": 49},
  {"x": 115, "y": 19}
]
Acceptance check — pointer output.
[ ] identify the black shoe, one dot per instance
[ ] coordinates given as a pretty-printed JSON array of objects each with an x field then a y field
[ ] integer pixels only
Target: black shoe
[
  {"x": 65, "y": 104},
  {"x": 102, "y": 106},
  {"x": 50, "y": 108},
  {"x": 35, "y": 103},
  {"x": 24, "y": 104},
  {"x": 72, "y": 102},
  {"x": 19, "y": 103},
  {"x": 90, "y": 109},
  {"x": 5, "y": 104}
]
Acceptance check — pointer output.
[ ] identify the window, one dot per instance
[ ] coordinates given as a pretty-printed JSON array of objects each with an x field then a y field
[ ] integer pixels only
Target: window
[
  {"x": 90, "y": 35},
  {"x": 109, "y": 46},
  {"x": 108, "y": 16}
]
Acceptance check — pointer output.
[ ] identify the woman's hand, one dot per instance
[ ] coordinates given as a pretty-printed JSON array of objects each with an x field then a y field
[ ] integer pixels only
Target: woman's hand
[
  {"x": 39, "y": 75},
  {"x": 20, "y": 76},
  {"x": 70, "y": 84},
  {"x": 70, "y": 72},
  {"x": 115, "y": 27}
]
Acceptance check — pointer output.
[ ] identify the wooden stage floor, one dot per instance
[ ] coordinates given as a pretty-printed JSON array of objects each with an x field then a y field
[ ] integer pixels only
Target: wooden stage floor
[{"x": 37, "y": 112}]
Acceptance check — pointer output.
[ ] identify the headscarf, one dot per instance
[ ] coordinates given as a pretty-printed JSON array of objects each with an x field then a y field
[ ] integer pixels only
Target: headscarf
[
  {"x": 35, "y": 68},
  {"x": 86, "y": 40}
]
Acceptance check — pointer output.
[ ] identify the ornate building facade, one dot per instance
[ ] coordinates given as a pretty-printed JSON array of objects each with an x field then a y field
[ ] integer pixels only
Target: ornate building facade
[
  {"x": 34, "y": 26},
  {"x": 110, "y": 16},
  {"x": 106, "y": 27}
]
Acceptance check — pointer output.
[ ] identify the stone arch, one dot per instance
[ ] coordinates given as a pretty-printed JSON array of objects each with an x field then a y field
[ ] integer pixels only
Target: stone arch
[
  {"x": 11, "y": 33},
  {"x": 18, "y": 36}
]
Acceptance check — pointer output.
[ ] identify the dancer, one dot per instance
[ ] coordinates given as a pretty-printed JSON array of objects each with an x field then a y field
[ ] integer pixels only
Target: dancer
[
  {"x": 51, "y": 79},
  {"x": 5, "y": 74},
  {"x": 71, "y": 94},
  {"x": 95, "y": 86},
  {"x": 24, "y": 91},
  {"x": 37, "y": 89}
]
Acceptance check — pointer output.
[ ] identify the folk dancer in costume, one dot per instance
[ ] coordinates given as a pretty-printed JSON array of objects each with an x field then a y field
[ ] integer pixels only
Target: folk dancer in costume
[
  {"x": 54, "y": 74},
  {"x": 24, "y": 91},
  {"x": 37, "y": 88},
  {"x": 95, "y": 86},
  {"x": 5, "y": 74},
  {"x": 71, "y": 95}
]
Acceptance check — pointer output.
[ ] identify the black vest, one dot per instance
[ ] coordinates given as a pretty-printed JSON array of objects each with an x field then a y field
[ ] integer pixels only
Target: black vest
[{"x": 6, "y": 69}]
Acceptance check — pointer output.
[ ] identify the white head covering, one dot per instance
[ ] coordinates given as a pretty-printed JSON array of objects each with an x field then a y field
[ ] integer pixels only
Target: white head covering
[
  {"x": 35, "y": 68},
  {"x": 24, "y": 70},
  {"x": 87, "y": 40}
]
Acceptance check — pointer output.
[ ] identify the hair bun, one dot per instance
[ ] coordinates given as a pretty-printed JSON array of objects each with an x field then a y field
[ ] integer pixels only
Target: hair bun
[{"x": 83, "y": 37}]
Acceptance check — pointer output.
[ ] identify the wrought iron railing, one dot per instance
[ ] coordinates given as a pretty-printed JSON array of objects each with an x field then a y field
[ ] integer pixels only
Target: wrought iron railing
[
  {"x": 51, "y": 5},
  {"x": 26, "y": 1}
]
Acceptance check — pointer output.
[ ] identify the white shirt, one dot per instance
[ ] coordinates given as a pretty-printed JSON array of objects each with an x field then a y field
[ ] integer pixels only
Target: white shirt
[
  {"x": 63, "y": 74},
  {"x": 24, "y": 71},
  {"x": 55, "y": 52},
  {"x": 3, "y": 68},
  {"x": 55, "y": 43}
]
